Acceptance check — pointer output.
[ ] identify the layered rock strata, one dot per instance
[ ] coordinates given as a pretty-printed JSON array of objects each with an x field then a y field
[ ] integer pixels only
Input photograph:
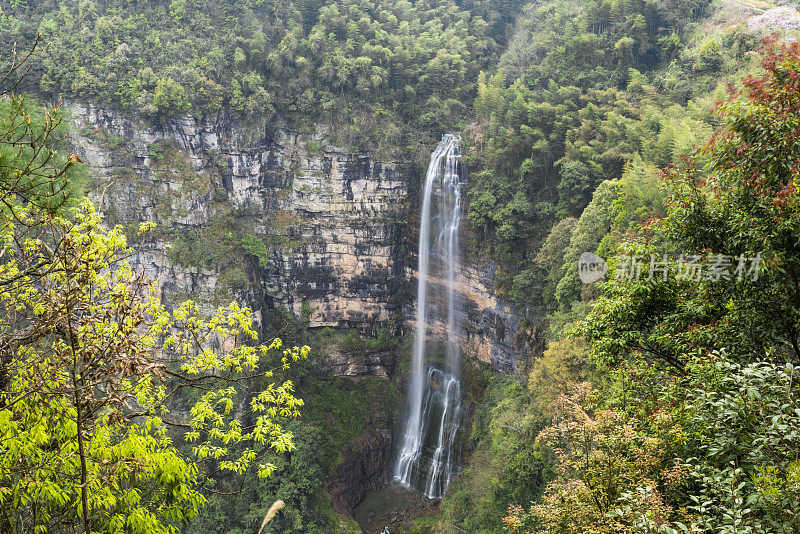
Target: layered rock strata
[
  {"x": 276, "y": 219},
  {"x": 319, "y": 229}
]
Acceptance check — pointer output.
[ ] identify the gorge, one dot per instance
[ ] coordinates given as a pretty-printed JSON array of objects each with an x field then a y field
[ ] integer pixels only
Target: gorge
[
  {"x": 339, "y": 232},
  {"x": 315, "y": 266},
  {"x": 338, "y": 227}
]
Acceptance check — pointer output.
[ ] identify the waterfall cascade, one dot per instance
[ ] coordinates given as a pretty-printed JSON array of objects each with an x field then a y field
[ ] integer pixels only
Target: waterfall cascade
[{"x": 425, "y": 454}]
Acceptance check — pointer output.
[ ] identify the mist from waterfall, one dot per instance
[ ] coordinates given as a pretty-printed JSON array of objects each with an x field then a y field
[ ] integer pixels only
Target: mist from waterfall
[{"x": 425, "y": 455}]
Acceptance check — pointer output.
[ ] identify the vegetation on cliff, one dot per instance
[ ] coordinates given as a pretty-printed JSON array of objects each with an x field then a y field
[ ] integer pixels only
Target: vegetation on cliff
[{"x": 373, "y": 72}]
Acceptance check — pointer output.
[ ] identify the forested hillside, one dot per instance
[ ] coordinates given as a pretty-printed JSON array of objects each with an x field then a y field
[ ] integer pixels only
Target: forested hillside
[
  {"x": 660, "y": 135},
  {"x": 373, "y": 72},
  {"x": 579, "y": 97},
  {"x": 692, "y": 423}
]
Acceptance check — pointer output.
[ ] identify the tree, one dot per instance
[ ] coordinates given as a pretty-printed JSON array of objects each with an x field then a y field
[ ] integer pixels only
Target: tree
[
  {"x": 741, "y": 217},
  {"x": 743, "y": 461},
  {"x": 709, "y": 57},
  {"x": 100, "y": 361},
  {"x": 93, "y": 363},
  {"x": 712, "y": 451},
  {"x": 611, "y": 474},
  {"x": 170, "y": 98}
]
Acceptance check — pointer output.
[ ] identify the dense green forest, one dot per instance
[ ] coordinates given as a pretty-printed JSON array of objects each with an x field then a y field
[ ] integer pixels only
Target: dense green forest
[
  {"x": 581, "y": 97},
  {"x": 661, "y": 135},
  {"x": 373, "y": 72},
  {"x": 694, "y": 428}
]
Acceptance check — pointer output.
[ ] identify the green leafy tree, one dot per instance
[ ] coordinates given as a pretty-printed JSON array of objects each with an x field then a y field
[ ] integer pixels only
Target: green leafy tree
[
  {"x": 170, "y": 97},
  {"x": 606, "y": 458},
  {"x": 709, "y": 57},
  {"x": 92, "y": 363},
  {"x": 742, "y": 460},
  {"x": 711, "y": 451},
  {"x": 86, "y": 410},
  {"x": 743, "y": 212}
]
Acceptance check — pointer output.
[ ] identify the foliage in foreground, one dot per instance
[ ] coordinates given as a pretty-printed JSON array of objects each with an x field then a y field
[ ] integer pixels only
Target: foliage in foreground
[
  {"x": 323, "y": 435},
  {"x": 91, "y": 364},
  {"x": 712, "y": 451}
]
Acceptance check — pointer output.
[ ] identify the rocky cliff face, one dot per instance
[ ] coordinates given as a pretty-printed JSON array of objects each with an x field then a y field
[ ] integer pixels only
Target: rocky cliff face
[
  {"x": 272, "y": 219},
  {"x": 493, "y": 330},
  {"x": 278, "y": 219}
]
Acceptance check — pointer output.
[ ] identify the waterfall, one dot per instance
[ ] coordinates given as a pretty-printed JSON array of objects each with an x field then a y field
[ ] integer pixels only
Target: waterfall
[{"x": 425, "y": 455}]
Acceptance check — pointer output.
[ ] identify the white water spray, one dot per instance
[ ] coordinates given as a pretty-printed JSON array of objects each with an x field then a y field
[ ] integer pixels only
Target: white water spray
[{"x": 425, "y": 455}]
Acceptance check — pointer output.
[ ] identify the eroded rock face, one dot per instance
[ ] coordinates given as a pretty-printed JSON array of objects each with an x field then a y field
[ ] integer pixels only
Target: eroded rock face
[
  {"x": 376, "y": 363},
  {"x": 329, "y": 230},
  {"x": 491, "y": 329},
  {"x": 328, "y": 223}
]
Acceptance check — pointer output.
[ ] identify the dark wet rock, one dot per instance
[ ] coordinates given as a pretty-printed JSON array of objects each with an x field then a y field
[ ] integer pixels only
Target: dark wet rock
[{"x": 364, "y": 467}]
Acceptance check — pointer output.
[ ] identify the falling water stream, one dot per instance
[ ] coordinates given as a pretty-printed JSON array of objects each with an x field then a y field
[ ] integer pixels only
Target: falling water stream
[{"x": 425, "y": 454}]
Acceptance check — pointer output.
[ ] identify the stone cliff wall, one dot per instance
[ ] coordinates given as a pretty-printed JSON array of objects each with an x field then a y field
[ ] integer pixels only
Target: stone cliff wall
[
  {"x": 493, "y": 329},
  {"x": 278, "y": 219},
  {"x": 326, "y": 226}
]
